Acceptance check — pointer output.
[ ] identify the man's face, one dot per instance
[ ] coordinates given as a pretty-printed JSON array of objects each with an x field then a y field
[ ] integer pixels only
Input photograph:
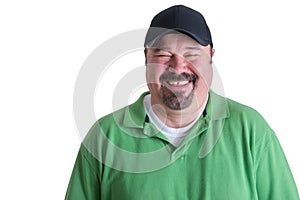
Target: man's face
[{"x": 179, "y": 71}]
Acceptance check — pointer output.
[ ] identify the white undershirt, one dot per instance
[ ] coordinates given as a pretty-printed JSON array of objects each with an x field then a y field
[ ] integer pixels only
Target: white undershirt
[{"x": 175, "y": 135}]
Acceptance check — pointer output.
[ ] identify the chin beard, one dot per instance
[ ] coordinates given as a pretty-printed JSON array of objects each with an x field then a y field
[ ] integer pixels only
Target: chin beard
[{"x": 176, "y": 100}]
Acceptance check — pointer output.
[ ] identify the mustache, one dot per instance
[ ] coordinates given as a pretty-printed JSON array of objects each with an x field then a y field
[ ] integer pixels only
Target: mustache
[{"x": 170, "y": 76}]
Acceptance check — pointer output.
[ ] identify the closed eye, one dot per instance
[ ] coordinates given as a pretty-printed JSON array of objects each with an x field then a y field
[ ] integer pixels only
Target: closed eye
[
  {"x": 191, "y": 55},
  {"x": 163, "y": 55}
]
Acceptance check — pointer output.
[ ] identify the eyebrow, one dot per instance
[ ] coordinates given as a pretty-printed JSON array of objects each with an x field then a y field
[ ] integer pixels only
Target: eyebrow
[
  {"x": 193, "y": 48},
  {"x": 157, "y": 49}
]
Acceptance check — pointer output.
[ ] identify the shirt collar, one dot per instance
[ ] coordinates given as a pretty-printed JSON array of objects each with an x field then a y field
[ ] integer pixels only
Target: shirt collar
[{"x": 135, "y": 115}]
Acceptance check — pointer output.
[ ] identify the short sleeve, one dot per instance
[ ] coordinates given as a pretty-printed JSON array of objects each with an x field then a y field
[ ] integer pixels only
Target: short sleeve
[
  {"x": 274, "y": 179},
  {"x": 84, "y": 182}
]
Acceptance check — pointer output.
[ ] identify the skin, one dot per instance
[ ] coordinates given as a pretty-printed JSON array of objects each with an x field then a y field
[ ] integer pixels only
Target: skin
[{"x": 179, "y": 75}]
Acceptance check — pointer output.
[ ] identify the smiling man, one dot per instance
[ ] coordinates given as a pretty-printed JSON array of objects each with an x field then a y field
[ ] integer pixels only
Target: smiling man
[{"x": 180, "y": 140}]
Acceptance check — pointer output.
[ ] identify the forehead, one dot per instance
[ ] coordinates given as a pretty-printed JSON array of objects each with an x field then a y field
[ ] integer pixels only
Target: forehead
[{"x": 176, "y": 40}]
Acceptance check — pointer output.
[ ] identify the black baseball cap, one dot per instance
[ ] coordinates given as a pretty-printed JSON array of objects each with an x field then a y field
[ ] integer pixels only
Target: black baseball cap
[{"x": 182, "y": 19}]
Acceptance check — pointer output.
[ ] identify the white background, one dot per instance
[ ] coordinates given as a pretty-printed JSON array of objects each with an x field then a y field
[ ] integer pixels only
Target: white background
[{"x": 43, "y": 45}]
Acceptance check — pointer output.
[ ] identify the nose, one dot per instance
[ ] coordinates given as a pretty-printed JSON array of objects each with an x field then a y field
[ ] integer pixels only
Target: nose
[{"x": 177, "y": 64}]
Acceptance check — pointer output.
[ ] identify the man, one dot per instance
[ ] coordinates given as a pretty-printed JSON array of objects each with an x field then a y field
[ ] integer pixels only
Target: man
[{"x": 181, "y": 140}]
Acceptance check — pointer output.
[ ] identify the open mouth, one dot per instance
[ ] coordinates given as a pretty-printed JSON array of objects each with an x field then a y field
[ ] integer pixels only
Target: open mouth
[
  {"x": 178, "y": 86},
  {"x": 178, "y": 80},
  {"x": 177, "y": 83}
]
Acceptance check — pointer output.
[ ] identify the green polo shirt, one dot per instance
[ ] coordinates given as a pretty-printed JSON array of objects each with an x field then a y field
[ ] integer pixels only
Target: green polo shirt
[{"x": 230, "y": 154}]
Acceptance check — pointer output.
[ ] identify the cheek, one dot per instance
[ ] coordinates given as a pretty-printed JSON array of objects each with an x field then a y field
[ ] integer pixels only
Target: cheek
[
  {"x": 153, "y": 72},
  {"x": 152, "y": 77},
  {"x": 204, "y": 72},
  {"x": 207, "y": 74}
]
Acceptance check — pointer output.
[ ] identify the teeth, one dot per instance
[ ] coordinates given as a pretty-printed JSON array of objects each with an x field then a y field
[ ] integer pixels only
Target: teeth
[{"x": 178, "y": 83}]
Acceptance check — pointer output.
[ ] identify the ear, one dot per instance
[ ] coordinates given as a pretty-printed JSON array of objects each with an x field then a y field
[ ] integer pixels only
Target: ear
[
  {"x": 212, "y": 52},
  {"x": 145, "y": 53}
]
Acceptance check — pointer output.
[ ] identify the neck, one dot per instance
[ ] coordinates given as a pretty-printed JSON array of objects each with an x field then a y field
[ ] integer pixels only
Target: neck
[{"x": 179, "y": 118}]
